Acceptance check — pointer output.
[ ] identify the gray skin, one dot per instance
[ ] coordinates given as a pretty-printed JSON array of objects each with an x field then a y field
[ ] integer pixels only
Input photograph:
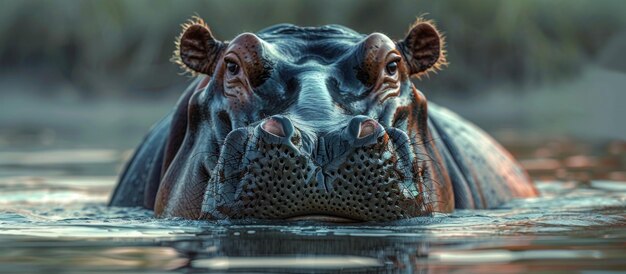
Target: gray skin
[{"x": 316, "y": 124}]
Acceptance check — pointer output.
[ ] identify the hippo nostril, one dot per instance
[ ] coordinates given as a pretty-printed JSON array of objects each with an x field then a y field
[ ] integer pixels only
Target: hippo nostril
[
  {"x": 362, "y": 131},
  {"x": 274, "y": 127},
  {"x": 368, "y": 127},
  {"x": 279, "y": 126}
]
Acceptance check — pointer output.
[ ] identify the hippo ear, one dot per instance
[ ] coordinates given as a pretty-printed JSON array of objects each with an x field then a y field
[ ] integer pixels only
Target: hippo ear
[
  {"x": 423, "y": 48},
  {"x": 197, "y": 51}
]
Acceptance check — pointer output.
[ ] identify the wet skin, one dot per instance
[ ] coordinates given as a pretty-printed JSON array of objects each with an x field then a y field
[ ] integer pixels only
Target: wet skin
[{"x": 318, "y": 124}]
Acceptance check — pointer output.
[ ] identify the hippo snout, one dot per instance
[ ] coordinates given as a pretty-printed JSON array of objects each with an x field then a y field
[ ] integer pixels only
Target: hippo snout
[{"x": 361, "y": 171}]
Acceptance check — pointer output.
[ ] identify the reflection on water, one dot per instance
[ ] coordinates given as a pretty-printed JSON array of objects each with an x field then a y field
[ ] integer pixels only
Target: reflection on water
[{"x": 53, "y": 219}]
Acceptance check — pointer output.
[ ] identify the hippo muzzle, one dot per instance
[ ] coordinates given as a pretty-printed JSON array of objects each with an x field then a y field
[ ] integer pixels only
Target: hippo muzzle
[
  {"x": 314, "y": 123},
  {"x": 274, "y": 170}
]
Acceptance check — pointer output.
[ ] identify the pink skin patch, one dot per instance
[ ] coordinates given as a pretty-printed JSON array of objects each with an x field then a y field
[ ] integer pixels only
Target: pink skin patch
[
  {"x": 368, "y": 127},
  {"x": 273, "y": 127}
]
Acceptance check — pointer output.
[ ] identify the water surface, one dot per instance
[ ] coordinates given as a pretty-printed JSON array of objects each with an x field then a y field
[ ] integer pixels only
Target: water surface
[{"x": 53, "y": 219}]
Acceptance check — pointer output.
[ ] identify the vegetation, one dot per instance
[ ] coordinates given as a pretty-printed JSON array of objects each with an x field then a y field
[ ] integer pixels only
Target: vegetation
[{"x": 104, "y": 48}]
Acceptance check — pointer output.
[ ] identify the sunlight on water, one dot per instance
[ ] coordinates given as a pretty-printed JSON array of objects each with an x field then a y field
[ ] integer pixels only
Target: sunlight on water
[
  {"x": 57, "y": 157},
  {"x": 320, "y": 262}
]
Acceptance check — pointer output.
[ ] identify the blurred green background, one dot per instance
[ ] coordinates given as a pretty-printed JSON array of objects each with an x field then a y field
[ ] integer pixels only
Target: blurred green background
[{"x": 97, "y": 73}]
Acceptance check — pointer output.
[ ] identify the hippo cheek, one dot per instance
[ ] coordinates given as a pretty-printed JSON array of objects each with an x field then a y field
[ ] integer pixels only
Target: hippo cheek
[{"x": 273, "y": 178}]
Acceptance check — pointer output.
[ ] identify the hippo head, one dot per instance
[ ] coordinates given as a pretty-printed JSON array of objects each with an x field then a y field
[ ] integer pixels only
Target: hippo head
[{"x": 303, "y": 123}]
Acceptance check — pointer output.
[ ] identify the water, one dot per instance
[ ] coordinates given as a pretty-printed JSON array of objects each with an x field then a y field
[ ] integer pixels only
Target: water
[{"x": 53, "y": 220}]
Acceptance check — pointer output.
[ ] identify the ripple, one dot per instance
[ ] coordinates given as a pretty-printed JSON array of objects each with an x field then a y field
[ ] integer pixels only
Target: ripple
[{"x": 66, "y": 218}]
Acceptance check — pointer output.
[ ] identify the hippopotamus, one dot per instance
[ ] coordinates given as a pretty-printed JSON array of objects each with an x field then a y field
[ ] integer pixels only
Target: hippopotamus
[{"x": 316, "y": 124}]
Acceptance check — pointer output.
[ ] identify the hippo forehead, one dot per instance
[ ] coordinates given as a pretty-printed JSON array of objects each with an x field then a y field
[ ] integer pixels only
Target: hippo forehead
[{"x": 327, "y": 42}]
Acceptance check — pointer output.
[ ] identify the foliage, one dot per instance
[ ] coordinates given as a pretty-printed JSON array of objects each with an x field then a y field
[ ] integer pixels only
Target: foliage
[{"x": 115, "y": 47}]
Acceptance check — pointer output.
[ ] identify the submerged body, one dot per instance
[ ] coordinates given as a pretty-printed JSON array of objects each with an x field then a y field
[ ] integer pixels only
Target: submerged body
[{"x": 314, "y": 123}]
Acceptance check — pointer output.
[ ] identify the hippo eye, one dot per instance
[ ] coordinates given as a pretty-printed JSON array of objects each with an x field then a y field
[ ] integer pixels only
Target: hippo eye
[
  {"x": 232, "y": 68},
  {"x": 392, "y": 68}
]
